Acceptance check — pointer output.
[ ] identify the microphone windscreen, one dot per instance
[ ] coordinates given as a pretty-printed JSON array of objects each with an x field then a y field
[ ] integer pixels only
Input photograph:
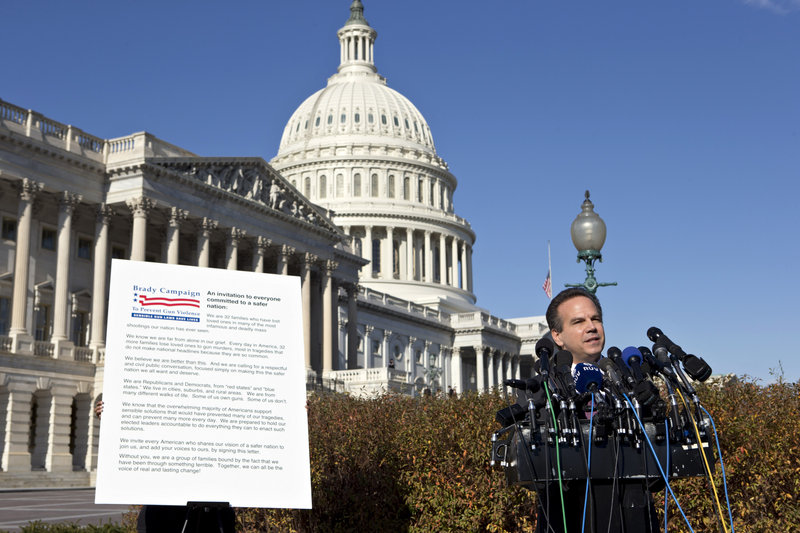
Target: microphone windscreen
[
  {"x": 654, "y": 333},
  {"x": 545, "y": 345},
  {"x": 588, "y": 378},
  {"x": 631, "y": 351},
  {"x": 696, "y": 367}
]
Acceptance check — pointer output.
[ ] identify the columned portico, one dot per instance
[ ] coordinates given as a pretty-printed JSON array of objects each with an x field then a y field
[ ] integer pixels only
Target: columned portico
[
  {"x": 140, "y": 208},
  {"x": 99, "y": 281},
  {"x": 27, "y": 194},
  {"x": 176, "y": 217},
  {"x": 207, "y": 225},
  {"x": 66, "y": 207}
]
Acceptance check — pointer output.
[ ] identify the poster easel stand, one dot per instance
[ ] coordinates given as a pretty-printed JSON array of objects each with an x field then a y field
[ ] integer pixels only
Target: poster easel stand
[{"x": 202, "y": 516}]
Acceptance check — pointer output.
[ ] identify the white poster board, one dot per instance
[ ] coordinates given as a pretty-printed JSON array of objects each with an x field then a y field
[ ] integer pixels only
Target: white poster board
[{"x": 204, "y": 389}]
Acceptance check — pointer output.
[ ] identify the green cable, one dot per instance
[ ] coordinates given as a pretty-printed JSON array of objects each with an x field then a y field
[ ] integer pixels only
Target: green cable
[{"x": 558, "y": 458}]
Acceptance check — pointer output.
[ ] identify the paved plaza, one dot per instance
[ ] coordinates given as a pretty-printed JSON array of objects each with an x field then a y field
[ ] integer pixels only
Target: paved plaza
[{"x": 17, "y": 508}]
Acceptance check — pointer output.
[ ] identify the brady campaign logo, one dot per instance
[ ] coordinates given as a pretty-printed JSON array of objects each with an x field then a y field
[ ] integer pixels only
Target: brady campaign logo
[{"x": 149, "y": 301}]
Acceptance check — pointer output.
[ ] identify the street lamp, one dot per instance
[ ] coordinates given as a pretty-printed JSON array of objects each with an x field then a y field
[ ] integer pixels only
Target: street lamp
[{"x": 588, "y": 233}]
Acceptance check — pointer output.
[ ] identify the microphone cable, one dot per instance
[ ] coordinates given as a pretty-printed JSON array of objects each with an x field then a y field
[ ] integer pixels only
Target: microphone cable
[
  {"x": 666, "y": 500},
  {"x": 721, "y": 465},
  {"x": 708, "y": 468},
  {"x": 658, "y": 463},
  {"x": 558, "y": 456},
  {"x": 588, "y": 466},
  {"x": 527, "y": 447}
]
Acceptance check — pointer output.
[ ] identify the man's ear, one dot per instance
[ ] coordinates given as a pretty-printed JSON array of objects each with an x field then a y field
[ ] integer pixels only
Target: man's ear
[{"x": 556, "y": 338}]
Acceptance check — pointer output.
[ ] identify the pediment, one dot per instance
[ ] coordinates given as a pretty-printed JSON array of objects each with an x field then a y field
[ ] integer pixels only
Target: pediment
[{"x": 250, "y": 178}]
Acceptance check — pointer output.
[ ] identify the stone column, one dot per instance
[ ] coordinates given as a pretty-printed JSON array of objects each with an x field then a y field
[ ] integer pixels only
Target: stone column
[
  {"x": 515, "y": 372},
  {"x": 479, "y": 362},
  {"x": 492, "y": 367},
  {"x": 387, "y": 268},
  {"x": 204, "y": 242},
  {"x": 140, "y": 208},
  {"x": 456, "y": 370},
  {"x": 368, "y": 362},
  {"x": 409, "y": 254},
  {"x": 454, "y": 262},
  {"x": 232, "y": 248},
  {"x": 58, "y": 458},
  {"x": 469, "y": 269},
  {"x": 442, "y": 260},
  {"x": 464, "y": 276},
  {"x": 411, "y": 362},
  {"x": 428, "y": 257},
  {"x": 27, "y": 194},
  {"x": 305, "y": 280},
  {"x": 328, "y": 300},
  {"x": 100, "y": 281},
  {"x": 283, "y": 259},
  {"x": 176, "y": 216},
  {"x": 262, "y": 243},
  {"x": 16, "y": 457},
  {"x": 352, "y": 326},
  {"x": 366, "y": 251},
  {"x": 385, "y": 355},
  {"x": 501, "y": 368},
  {"x": 67, "y": 202}
]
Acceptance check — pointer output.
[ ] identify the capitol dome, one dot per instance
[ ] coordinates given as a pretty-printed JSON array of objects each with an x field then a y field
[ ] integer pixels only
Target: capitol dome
[{"x": 362, "y": 150}]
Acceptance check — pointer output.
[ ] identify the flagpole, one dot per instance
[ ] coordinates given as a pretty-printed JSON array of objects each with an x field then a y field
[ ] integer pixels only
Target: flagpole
[{"x": 549, "y": 266}]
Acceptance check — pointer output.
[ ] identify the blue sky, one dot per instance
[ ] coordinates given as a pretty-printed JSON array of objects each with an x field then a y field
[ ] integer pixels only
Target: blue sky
[{"x": 681, "y": 117}]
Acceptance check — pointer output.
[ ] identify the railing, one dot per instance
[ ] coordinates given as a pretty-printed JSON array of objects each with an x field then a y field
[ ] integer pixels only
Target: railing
[
  {"x": 5, "y": 343},
  {"x": 43, "y": 348},
  {"x": 83, "y": 354},
  {"x": 394, "y": 302}
]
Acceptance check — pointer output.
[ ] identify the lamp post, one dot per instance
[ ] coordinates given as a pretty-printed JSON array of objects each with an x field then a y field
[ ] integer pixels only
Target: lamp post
[{"x": 588, "y": 233}]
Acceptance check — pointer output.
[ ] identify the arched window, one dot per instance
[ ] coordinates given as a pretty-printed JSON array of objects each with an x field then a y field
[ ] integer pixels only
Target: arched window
[
  {"x": 356, "y": 184},
  {"x": 323, "y": 186},
  {"x": 316, "y": 122},
  {"x": 330, "y": 118},
  {"x": 390, "y": 186},
  {"x": 432, "y": 195},
  {"x": 307, "y": 187},
  {"x": 383, "y": 119},
  {"x": 406, "y": 189},
  {"x": 396, "y": 122},
  {"x": 339, "y": 186},
  {"x": 370, "y": 118},
  {"x": 420, "y": 190},
  {"x": 373, "y": 186},
  {"x": 357, "y": 118}
]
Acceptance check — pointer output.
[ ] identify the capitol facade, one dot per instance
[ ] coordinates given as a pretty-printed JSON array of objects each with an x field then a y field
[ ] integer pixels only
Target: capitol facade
[{"x": 357, "y": 203}]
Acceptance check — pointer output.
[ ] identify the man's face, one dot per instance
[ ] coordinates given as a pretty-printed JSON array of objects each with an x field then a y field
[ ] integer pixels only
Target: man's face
[{"x": 582, "y": 330}]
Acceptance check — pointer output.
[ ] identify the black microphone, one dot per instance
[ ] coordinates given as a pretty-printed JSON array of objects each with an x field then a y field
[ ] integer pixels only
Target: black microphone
[
  {"x": 656, "y": 366},
  {"x": 696, "y": 367},
  {"x": 528, "y": 385},
  {"x": 564, "y": 372},
  {"x": 544, "y": 349},
  {"x": 615, "y": 355},
  {"x": 612, "y": 373},
  {"x": 644, "y": 390}
]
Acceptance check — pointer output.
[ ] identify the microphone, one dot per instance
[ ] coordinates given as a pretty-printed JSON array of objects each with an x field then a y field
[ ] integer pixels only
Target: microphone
[
  {"x": 612, "y": 374},
  {"x": 564, "y": 372},
  {"x": 644, "y": 390},
  {"x": 655, "y": 364},
  {"x": 615, "y": 355},
  {"x": 695, "y": 366},
  {"x": 588, "y": 378},
  {"x": 528, "y": 385},
  {"x": 544, "y": 349}
]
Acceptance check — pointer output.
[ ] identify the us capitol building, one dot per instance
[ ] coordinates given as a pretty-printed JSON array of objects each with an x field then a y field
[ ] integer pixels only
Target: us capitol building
[{"x": 357, "y": 203}]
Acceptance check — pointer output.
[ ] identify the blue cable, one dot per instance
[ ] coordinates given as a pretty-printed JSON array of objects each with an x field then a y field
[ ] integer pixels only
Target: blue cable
[
  {"x": 588, "y": 467},
  {"x": 721, "y": 465},
  {"x": 658, "y": 463},
  {"x": 666, "y": 500}
]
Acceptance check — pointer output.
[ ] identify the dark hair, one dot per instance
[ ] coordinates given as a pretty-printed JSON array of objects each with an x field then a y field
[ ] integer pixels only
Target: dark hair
[{"x": 553, "y": 320}]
